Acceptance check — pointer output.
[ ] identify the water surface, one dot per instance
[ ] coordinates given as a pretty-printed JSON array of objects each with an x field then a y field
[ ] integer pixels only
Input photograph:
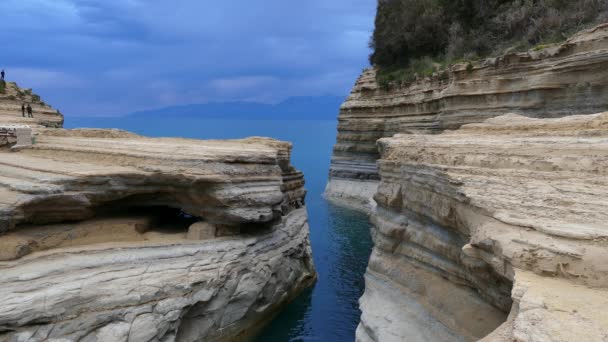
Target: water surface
[{"x": 340, "y": 237}]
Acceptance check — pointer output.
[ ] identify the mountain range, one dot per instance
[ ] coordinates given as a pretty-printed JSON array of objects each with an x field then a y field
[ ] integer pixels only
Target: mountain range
[{"x": 300, "y": 108}]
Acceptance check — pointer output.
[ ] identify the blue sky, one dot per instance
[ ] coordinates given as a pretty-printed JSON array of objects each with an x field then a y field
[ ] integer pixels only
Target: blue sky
[{"x": 110, "y": 57}]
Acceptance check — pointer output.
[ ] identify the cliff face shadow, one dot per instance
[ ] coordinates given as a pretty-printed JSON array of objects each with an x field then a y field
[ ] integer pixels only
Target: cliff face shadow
[
  {"x": 124, "y": 221},
  {"x": 423, "y": 231}
]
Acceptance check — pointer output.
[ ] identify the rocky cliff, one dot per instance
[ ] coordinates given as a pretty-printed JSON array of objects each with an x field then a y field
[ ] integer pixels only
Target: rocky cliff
[
  {"x": 503, "y": 221},
  {"x": 11, "y": 99},
  {"x": 110, "y": 236},
  {"x": 547, "y": 82},
  {"x": 487, "y": 187}
]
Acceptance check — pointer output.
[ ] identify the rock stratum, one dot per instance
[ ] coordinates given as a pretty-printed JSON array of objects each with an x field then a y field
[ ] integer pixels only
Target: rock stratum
[
  {"x": 11, "y": 99},
  {"x": 487, "y": 186},
  {"x": 110, "y": 236},
  {"x": 503, "y": 221},
  {"x": 550, "y": 82}
]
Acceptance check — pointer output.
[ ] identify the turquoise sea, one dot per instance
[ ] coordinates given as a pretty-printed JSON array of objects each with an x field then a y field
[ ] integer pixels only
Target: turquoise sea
[{"x": 340, "y": 237}]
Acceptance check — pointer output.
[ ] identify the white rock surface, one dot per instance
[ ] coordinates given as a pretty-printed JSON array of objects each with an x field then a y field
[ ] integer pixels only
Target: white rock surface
[
  {"x": 81, "y": 261},
  {"x": 351, "y": 193},
  {"x": 570, "y": 79},
  {"x": 464, "y": 215},
  {"x": 201, "y": 231}
]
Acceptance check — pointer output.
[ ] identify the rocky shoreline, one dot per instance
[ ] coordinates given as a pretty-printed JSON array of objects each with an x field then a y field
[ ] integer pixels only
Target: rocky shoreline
[
  {"x": 555, "y": 81},
  {"x": 111, "y": 236},
  {"x": 486, "y": 187},
  {"x": 485, "y": 219}
]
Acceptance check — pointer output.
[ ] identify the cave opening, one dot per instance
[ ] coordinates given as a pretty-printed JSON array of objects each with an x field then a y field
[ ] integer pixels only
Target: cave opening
[
  {"x": 113, "y": 223},
  {"x": 153, "y": 218}
]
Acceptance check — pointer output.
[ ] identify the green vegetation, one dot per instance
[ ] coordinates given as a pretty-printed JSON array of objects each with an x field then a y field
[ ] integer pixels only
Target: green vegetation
[
  {"x": 416, "y": 36},
  {"x": 469, "y": 67},
  {"x": 35, "y": 98},
  {"x": 543, "y": 46},
  {"x": 399, "y": 75},
  {"x": 419, "y": 67},
  {"x": 2, "y": 87}
]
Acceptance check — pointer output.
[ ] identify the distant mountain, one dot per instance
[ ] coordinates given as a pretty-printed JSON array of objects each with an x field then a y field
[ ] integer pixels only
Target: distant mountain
[{"x": 300, "y": 108}]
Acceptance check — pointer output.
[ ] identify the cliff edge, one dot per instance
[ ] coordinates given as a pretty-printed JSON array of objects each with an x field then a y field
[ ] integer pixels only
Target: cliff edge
[
  {"x": 548, "y": 82},
  {"x": 503, "y": 221},
  {"x": 12, "y": 97},
  {"x": 110, "y": 236},
  {"x": 486, "y": 183}
]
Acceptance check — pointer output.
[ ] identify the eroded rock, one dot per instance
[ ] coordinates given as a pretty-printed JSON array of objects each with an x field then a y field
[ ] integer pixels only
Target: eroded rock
[
  {"x": 99, "y": 242},
  {"x": 568, "y": 79},
  {"x": 506, "y": 217},
  {"x": 201, "y": 231}
]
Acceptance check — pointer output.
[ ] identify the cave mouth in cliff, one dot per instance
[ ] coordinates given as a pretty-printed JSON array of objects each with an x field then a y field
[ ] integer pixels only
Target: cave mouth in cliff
[
  {"x": 155, "y": 218},
  {"x": 112, "y": 223}
]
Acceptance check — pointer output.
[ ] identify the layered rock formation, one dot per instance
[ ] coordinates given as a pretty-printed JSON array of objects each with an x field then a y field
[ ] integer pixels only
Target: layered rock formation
[
  {"x": 566, "y": 79},
  {"x": 11, "y": 99},
  {"x": 110, "y": 236},
  {"x": 466, "y": 215},
  {"x": 487, "y": 187},
  {"x": 15, "y": 137}
]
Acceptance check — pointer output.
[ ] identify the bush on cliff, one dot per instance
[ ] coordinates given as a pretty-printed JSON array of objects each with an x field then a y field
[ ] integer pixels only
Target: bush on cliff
[{"x": 449, "y": 30}]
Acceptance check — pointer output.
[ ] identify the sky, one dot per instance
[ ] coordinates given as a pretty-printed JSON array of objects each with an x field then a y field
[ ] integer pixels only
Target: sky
[{"x": 113, "y": 57}]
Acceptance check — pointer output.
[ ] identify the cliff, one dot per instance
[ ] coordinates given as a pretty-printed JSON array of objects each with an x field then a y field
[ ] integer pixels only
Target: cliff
[
  {"x": 487, "y": 185},
  {"x": 503, "y": 221},
  {"x": 11, "y": 99},
  {"x": 555, "y": 81},
  {"x": 110, "y": 236}
]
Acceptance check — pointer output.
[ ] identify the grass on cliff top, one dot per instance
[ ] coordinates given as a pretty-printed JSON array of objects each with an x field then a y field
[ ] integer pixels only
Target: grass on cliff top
[
  {"x": 397, "y": 75},
  {"x": 388, "y": 77},
  {"x": 2, "y": 87}
]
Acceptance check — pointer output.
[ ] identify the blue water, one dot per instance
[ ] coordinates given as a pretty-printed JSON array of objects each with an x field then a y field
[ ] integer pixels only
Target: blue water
[{"x": 339, "y": 237}]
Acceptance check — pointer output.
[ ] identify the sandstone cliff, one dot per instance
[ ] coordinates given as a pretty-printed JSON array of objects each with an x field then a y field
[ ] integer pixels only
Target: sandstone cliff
[
  {"x": 504, "y": 216},
  {"x": 110, "y": 236},
  {"x": 487, "y": 187},
  {"x": 11, "y": 99},
  {"x": 566, "y": 79}
]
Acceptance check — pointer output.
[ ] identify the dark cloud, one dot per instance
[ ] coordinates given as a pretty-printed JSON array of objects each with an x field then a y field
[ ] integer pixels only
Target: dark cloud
[{"x": 106, "y": 57}]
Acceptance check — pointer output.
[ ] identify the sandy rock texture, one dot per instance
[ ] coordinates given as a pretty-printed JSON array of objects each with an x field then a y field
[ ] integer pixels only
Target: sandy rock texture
[
  {"x": 561, "y": 80},
  {"x": 110, "y": 236},
  {"x": 15, "y": 137},
  {"x": 10, "y": 108},
  {"x": 495, "y": 231}
]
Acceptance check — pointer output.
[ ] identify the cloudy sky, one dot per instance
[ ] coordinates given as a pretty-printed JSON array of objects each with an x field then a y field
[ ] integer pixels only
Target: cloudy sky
[{"x": 110, "y": 57}]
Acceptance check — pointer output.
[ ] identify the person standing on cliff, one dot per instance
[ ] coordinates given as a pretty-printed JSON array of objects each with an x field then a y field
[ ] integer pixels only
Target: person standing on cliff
[
  {"x": 23, "y": 109},
  {"x": 2, "y": 74},
  {"x": 29, "y": 111}
]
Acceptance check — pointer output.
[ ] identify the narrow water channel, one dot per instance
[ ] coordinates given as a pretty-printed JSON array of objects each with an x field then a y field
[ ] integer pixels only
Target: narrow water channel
[
  {"x": 340, "y": 237},
  {"x": 329, "y": 312}
]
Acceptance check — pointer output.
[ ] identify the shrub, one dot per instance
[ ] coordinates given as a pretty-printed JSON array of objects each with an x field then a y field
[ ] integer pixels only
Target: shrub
[
  {"x": 454, "y": 29},
  {"x": 407, "y": 29},
  {"x": 398, "y": 75},
  {"x": 2, "y": 87}
]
